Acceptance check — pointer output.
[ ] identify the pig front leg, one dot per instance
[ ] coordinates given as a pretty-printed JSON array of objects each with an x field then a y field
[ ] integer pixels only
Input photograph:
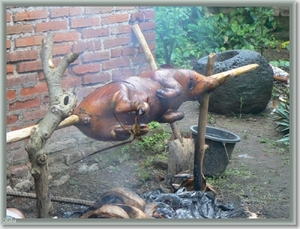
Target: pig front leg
[
  {"x": 171, "y": 116},
  {"x": 123, "y": 104}
]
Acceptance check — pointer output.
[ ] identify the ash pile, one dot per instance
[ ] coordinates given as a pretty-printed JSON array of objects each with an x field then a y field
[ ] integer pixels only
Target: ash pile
[
  {"x": 123, "y": 203},
  {"x": 190, "y": 205}
]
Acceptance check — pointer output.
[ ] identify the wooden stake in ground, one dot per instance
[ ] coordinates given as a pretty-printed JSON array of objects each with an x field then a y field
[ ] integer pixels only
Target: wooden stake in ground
[
  {"x": 200, "y": 146},
  {"x": 151, "y": 60},
  {"x": 62, "y": 103}
]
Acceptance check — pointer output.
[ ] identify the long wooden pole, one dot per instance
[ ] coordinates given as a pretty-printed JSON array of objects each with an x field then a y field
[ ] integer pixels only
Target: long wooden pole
[
  {"x": 18, "y": 135},
  {"x": 24, "y": 133},
  {"x": 200, "y": 146},
  {"x": 151, "y": 60}
]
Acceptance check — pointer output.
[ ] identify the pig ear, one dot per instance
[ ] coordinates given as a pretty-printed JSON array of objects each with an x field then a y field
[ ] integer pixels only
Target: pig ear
[{"x": 191, "y": 84}]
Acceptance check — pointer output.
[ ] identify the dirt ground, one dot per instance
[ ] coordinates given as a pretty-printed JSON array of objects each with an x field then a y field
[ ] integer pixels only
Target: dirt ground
[{"x": 257, "y": 179}]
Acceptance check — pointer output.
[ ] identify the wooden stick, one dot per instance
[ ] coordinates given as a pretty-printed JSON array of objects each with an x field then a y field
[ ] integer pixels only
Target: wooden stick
[
  {"x": 18, "y": 135},
  {"x": 153, "y": 65},
  {"x": 143, "y": 43},
  {"x": 221, "y": 77},
  {"x": 200, "y": 146}
]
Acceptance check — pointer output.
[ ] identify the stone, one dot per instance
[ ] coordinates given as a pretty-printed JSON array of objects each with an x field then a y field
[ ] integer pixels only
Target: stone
[
  {"x": 93, "y": 167},
  {"x": 247, "y": 93},
  {"x": 24, "y": 186},
  {"x": 61, "y": 181}
]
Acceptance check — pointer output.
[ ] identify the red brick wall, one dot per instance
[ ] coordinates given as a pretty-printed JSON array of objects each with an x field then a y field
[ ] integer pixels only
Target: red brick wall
[{"x": 102, "y": 35}]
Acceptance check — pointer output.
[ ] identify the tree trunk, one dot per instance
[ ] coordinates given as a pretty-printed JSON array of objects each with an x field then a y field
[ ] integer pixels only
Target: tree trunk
[{"x": 62, "y": 103}]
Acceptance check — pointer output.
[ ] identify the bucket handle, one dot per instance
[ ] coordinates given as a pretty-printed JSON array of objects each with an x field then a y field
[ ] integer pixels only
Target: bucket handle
[{"x": 224, "y": 144}]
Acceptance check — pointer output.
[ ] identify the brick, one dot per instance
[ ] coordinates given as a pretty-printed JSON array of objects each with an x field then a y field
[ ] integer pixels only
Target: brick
[
  {"x": 98, "y": 10},
  {"x": 16, "y": 29},
  {"x": 117, "y": 52},
  {"x": 84, "y": 22},
  {"x": 8, "y": 44},
  {"x": 82, "y": 92},
  {"x": 8, "y": 15},
  {"x": 116, "y": 18},
  {"x": 40, "y": 76},
  {"x": 94, "y": 45},
  {"x": 65, "y": 12},
  {"x": 89, "y": 33},
  {"x": 61, "y": 37},
  {"x": 21, "y": 55},
  {"x": 11, "y": 119},
  {"x": 21, "y": 157},
  {"x": 116, "y": 42},
  {"x": 14, "y": 145},
  {"x": 14, "y": 80},
  {"x": 119, "y": 75},
  {"x": 116, "y": 63},
  {"x": 38, "y": 89},
  {"x": 121, "y": 29},
  {"x": 128, "y": 51},
  {"x": 125, "y": 7},
  {"x": 51, "y": 26},
  {"x": 147, "y": 25},
  {"x": 29, "y": 41},
  {"x": 29, "y": 66},
  {"x": 25, "y": 104},
  {"x": 36, "y": 114},
  {"x": 149, "y": 36},
  {"x": 30, "y": 15},
  {"x": 87, "y": 46},
  {"x": 86, "y": 68},
  {"x": 19, "y": 171},
  {"x": 150, "y": 14},
  {"x": 139, "y": 59},
  {"x": 140, "y": 16},
  {"x": 9, "y": 68},
  {"x": 95, "y": 78},
  {"x": 70, "y": 82},
  {"x": 95, "y": 56},
  {"x": 10, "y": 95},
  {"x": 61, "y": 50}
]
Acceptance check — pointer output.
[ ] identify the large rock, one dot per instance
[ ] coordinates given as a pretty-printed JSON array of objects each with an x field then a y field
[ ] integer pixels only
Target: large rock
[{"x": 247, "y": 93}]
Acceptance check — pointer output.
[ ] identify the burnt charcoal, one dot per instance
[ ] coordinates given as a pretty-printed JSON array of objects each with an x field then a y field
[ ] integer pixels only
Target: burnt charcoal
[
  {"x": 185, "y": 204},
  {"x": 183, "y": 214},
  {"x": 165, "y": 210},
  {"x": 171, "y": 199}
]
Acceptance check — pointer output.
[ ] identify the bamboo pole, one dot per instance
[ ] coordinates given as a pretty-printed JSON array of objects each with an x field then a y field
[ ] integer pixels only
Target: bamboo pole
[
  {"x": 221, "y": 77},
  {"x": 18, "y": 135},
  {"x": 153, "y": 65}
]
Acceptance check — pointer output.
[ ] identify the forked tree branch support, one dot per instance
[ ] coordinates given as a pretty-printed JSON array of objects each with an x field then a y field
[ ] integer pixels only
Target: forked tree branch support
[{"x": 62, "y": 104}]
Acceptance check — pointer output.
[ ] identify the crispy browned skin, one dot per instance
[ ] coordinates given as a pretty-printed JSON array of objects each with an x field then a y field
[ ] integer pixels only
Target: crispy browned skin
[{"x": 109, "y": 112}]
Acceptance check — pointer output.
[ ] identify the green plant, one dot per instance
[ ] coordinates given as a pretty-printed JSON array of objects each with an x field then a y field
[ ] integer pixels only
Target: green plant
[
  {"x": 245, "y": 136},
  {"x": 185, "y": 33},
  {"x": 171, "y": 34},
  {"x": 282, "y": 116},
  {"x": 153, "y": 125},
  {"x": 281, "y": 64}
]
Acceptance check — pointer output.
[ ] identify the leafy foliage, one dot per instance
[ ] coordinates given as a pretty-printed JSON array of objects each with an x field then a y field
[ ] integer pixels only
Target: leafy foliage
[
  {"x": 281, "y": 115},
  {"x": 186, "y": 33}
]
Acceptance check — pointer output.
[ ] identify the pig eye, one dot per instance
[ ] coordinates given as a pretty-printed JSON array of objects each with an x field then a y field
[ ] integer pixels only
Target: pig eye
[{"x": 191, "y": 84}]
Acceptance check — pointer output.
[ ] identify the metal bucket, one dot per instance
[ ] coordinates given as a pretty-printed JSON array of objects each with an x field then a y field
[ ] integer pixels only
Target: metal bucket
[{"x": 221, "y": 143}]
